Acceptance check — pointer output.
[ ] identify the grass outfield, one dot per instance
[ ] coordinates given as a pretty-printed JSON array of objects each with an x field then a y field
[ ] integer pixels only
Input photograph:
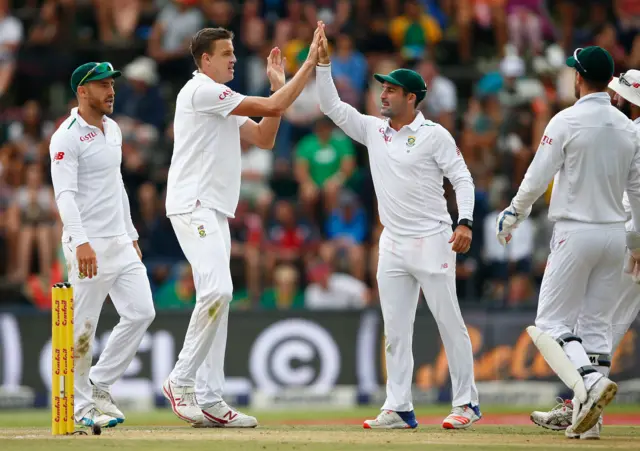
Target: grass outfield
[{"x": 312, "y": 431}]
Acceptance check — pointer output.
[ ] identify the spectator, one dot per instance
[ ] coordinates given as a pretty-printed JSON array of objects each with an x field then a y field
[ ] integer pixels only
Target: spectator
[
  {"x": 375, "y": 41},
  {"x": 487, "y": 14},
  {"x": 140, "y": 103},
  {"x": 11, "y": 35},
  {"x": 285, "y": 293},
  {"x": 441, "y": 101},
  {"x": 170, "y": 37},
  {"x": 349, "y": 69},
  {"x": 627, "y": 13},
  {"x": 334, "y": 291},
  {"x": 257, "y": 166},
  {"x": 178, "y": 292},
  {"x": 325, "y": 161},
  {"x": 245, "y": 229},
  {"x": 27, "y": 134},
  {"x": 415, "y": 32},
  {"x": 525, "y": 22},
  {"x": 346, "y": 230},
  {"x": 117, "y": 20},
  {"x": 289, "y": 239},
  {"x": 32, "y": 220}
]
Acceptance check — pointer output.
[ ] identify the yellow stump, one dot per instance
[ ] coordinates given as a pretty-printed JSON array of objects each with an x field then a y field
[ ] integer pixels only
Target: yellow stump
[{"x": 62, "y": 392}]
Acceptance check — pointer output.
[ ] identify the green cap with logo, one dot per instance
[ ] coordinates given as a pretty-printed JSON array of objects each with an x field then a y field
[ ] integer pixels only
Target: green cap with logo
[
  {"x": 410, "y": 80},
  {"x": 92, "y": 72},
  {"x": 592, "y": 63}
]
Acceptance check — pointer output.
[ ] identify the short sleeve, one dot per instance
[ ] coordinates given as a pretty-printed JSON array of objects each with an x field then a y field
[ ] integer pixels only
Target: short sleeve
[{"x": 215, "y": 98}]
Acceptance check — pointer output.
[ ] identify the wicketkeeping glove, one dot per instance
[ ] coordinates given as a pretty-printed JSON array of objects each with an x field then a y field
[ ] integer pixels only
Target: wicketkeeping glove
[{"x": 508, "y": 221}]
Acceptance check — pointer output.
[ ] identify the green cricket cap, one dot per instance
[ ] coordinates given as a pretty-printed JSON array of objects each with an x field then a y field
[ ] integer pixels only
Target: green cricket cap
[
  {"x": 92, "y": 72},
  {"x": 593, "y": 63},
  {"x": 410, "y": 80}
]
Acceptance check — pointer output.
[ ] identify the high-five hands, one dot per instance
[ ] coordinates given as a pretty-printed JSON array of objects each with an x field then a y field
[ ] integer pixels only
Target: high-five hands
[
  {"x": 323, "y": 50},
  {"x": 275, "y": 69},
  {"x": 312, "y": 57}
]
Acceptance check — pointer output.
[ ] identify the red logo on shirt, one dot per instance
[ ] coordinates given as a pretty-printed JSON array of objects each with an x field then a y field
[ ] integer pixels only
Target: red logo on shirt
[
  {"x": 458, "y": 151},
  {"x": 225, "y": 94},
  {"x": 546, "y": 140},
  {"x": 386, "y": 138},
  {"x": 88, "y": 137},
  {"x": 59, "y": 156}
]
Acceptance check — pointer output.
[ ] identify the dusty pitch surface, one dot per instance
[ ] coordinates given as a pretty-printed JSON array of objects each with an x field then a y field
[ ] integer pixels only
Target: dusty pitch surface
[{"x": 314, "y": 438}]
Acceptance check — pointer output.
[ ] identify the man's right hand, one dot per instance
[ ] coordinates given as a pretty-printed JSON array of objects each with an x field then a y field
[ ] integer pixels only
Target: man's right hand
[
  {"x": 323, "y": 48},
  {"x": 87, "y": 263},
  {"x": 312, "y": 57}
]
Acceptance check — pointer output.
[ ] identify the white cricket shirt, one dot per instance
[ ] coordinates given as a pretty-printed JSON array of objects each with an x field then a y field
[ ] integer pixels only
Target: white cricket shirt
[
  {"x": 206, "y": 161},
  {"x": 407, "y": 166},
  {"x": 625, "y": 197},
  {"x": 87, "y": 182},
  {"x": 593, "y": 151}
]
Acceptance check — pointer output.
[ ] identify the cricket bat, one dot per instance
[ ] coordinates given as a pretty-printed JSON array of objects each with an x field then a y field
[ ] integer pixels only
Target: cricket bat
[{"x": 559, "y": 362}]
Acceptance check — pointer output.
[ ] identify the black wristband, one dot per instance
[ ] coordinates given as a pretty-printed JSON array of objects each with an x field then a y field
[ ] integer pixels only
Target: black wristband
[{"x": 466, "y": 223}]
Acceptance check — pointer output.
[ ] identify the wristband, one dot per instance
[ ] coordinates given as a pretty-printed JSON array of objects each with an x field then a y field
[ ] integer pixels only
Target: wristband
[{"x": 466, "y": 223}]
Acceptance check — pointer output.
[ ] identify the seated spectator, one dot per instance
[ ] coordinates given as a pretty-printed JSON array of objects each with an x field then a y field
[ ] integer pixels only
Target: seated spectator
[
  {"x": 488, "y": 14},
  {"x": 325, "y": 160},
  {"x": 328, "y": 290},
  {"x": 178, "y": 292},
  {"x": 246, "y": 236},
  {"x": 28, "y": 132},
  {"x": 257, "y": 166},
  {"x": 170, "y": 38},
  {"x": 509, "y": 266},
  {"x": 289, "y": 239},
  {"x": 140, "y": 103},
  {"x": 525, "y": 23},
  {"x": 415, "y": 31},
  {"x": 346, "y": 229},
  {"x": 11, "y": 36},
  {"x": 285, "y": 293},
  {"x": 441, "y": 102},
  {"x": 349, "y": 68},
  {"x": 32, "y": 220},
  {"x": 117, "y": 19}
]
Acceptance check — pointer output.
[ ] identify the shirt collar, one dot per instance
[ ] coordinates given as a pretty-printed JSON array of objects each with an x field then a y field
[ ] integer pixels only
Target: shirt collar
[
  {"x": 413, "y": 126},
  {"x": 596, "y": 96},
  {"x": 80, "y": 119}
]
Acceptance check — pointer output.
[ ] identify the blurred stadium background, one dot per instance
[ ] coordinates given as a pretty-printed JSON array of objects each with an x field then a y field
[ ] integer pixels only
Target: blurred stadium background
[{"x": 305, "y": 328}]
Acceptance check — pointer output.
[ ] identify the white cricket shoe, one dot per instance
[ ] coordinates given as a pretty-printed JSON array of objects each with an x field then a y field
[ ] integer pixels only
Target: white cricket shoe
[
  {"x": 591, "y": 434},
  {"x": 600, "y": 395},
  {"x": 183, "y": 402},
  {"x": 388, "y": 419},
  {"x": 94, "y": 416},
  {"x": 558, "y": 419},
  {"x": 220, "y": 415},
  {"x": 461, "y": 417},
  {"x": 106, "y": 404}
]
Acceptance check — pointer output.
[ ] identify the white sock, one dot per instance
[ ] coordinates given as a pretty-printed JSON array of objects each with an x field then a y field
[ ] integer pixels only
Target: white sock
[{"x": 576, "y": 354}]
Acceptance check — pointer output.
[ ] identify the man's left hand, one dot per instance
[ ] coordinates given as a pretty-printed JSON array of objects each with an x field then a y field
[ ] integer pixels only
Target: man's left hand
[
  {"x": 137, "y": 248},
  {"x": 275, "y": 69},
  {"x": 461, "y": 239}
]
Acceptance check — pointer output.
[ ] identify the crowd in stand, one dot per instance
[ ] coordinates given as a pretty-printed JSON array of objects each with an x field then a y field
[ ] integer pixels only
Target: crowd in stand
[{"x": 306, "y": 229}]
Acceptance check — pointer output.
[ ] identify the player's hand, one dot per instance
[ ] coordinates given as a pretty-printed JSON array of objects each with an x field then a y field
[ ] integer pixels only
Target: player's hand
[
  {"x": 275, "y": 69},
  {"x": 312, "y": 57},
  {"x": 508, "y": 221},
  {"x": 461, "y": 239},
  {"x": 323, "y": 49},
  {"x": 137, "y": 248},
  {"x": 87, "y": 262}
]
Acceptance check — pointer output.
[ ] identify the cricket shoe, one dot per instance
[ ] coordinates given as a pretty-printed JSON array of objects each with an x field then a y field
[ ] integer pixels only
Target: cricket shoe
[
  {"x": 591, "y": 434},
  {"x": 461, "y": 417},
  {"x": 220, "y": 415},
  {"x": 94, "y": 416},
  {"x": 183, "y": 402},
  {"x": 600, "y": 395},
  {"x": 388, "y": 419},
  {"x": 558, "y": 419},
  {"x": 106, "y": 404}
]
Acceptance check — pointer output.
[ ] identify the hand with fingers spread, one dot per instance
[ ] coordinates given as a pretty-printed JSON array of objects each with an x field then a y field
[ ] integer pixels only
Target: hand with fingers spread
[
  {"x": 461, "y": 239},
  {"x": 275, "y": 69},
  {"x": 87, "y": 262}
]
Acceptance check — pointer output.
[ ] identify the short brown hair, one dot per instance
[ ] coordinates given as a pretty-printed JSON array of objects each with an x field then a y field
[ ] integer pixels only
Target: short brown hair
[{"x": 202, "y": 41}]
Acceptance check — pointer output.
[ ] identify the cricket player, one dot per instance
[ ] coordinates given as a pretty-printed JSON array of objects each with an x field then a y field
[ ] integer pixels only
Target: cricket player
[
  {"x": 409, "y": 156},
  {"x": 99, "y": 241},
  {"x": 593, "y": 151},
  {"x": 202, "y": 193},
  {"x": 626, "y": 90}
]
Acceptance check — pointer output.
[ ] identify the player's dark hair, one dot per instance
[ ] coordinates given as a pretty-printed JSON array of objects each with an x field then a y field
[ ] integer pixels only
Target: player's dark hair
[
  {"x": 596, "y": 85},
  {"x": 419, "y": 97},
  {"x": 204, "y": 41}
]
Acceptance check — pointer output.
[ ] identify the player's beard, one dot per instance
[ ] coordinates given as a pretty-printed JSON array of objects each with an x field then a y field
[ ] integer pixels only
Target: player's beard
[
  {"x": 625, "y": 108},
  {"x": 100, "y": 105}
]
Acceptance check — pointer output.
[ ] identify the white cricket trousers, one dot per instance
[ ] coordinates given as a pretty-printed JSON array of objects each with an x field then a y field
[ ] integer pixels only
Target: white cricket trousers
[
  {"x": 123, "y": 276},
  {"x": 626, "y": 310},
  {"x": 206, "y": 242},
  {"x": 580, "y": 288},
  {"x": 404, "y": 265}
]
